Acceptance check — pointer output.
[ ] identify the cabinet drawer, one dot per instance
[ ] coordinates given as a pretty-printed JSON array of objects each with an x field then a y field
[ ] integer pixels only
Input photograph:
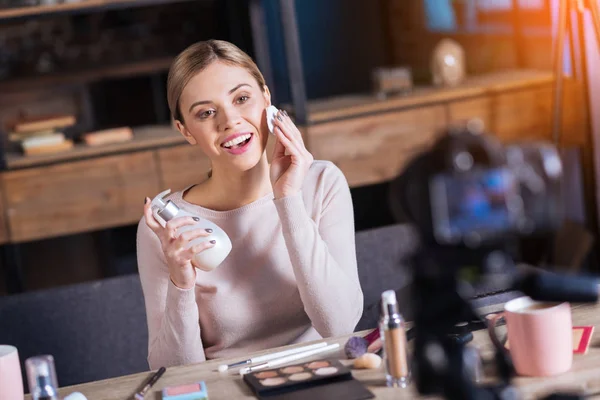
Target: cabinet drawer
[
  {"x": 375, "y": 148},
  {"x": 461, "y": 111},
  {"x": 78, "y": 196},
  {"x": 523, "y": 115},
  {"x": 181, "y": 166}
]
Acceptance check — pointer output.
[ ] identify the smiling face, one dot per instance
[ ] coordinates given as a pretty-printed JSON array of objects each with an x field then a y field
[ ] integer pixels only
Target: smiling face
[{"x": 224, "y": 112}]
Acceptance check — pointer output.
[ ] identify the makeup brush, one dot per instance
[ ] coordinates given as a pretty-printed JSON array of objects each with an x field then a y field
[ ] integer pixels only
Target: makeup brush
[
  {"x": 142, "y": 393},
  {"x": 284, "y": 360},
  {"x": 271, "y": 356}
]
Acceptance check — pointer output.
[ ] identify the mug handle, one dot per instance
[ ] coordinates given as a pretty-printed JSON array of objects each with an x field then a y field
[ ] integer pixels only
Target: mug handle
[{"x": 491, "y": 325}]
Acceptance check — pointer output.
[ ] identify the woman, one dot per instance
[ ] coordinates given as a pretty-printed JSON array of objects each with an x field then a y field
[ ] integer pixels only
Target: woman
[{"x": 291, "y": 275}]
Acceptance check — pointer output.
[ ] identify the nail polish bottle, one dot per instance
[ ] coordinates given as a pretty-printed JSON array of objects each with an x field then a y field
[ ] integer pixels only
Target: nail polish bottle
[
  {"x": 206, "y": 260},
  {"x": 41, "y": 377},
  {"x": 393, "y": 334}
]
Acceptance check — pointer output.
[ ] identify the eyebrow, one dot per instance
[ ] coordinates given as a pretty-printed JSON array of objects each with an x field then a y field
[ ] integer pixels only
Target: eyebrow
[{"x": 208, "y": 102}]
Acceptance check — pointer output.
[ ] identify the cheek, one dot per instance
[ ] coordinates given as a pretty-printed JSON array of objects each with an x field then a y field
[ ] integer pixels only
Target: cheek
[
  {"x": 202, "y": 132},
  {"x": 254, "y": 114}
]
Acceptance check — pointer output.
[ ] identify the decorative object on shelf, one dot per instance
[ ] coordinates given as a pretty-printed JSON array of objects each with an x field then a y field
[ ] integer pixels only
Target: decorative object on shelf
[
  {"x": 108, "y": 136},
  {"x": 390, "y": 81},
  {"x": 41, "y": 134},
  {"x": 448, "y": 63}
]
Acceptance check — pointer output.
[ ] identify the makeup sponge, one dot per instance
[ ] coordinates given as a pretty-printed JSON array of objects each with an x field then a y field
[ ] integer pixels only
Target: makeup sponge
[
  {"x": 271, "y": 112},
  {"x": 355, "y": 347},
  {"x": 368, "y": 361}
]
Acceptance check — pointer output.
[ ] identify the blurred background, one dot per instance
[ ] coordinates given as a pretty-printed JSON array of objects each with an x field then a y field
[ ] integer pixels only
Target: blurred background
[{"x": 86, "y": 133}]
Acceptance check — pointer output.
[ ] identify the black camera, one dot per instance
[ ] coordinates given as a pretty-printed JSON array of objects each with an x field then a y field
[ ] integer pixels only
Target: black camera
[
  {"x": 471, "y": 198},
  {"x": 471, "y": 190}
]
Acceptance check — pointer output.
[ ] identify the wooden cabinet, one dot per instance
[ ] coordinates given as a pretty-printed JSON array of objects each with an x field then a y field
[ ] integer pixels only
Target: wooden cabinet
[
  {"x": 181, "y": 166},
  {"x": 523, "y": 114},
  {"x": 3, "y": 227},
  {"x": 373, "y": 149},
  {"x": 369, "y": 139},
  {"x": 78, "y": 196},
  {"x": 477, "y": 107}
]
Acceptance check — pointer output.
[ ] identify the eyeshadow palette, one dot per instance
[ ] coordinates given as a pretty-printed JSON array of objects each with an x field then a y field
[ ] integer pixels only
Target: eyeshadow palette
[
  {"x": 315, "y": 380},
  {"x": 193, "y": 391}
]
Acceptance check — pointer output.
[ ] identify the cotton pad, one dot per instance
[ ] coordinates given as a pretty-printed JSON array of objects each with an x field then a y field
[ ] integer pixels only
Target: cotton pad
[{"x": 271, "y": 113}]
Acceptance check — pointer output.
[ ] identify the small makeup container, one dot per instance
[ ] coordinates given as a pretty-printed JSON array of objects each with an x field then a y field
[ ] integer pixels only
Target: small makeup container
[
  {"x": 41, "y": 376},
  {"x": 393, "y": 334},
  {"x": 193, "y": 391}
]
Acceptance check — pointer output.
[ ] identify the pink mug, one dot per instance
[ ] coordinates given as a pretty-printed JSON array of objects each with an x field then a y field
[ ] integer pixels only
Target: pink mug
[
  {"x": 540, "y": 336},
  {"x": 11, "y": 382}
]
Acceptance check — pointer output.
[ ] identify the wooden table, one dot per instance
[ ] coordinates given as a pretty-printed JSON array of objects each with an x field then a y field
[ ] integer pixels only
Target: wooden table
[{"x": 585, "y": 373}]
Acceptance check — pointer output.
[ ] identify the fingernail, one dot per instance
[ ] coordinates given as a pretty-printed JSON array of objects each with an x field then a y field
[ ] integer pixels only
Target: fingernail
[
  {"x": 279, "y": 118},
  {"x": 208, "y": 230},
  {"x": 285, "y": 113},
  {"x": 196, "y": 218},
  {"x": 145, "y": 200},
  {"x": 213, "y": 242}
]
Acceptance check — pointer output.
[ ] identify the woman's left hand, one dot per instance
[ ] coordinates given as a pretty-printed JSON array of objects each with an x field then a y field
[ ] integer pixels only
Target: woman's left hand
[{"x": 288, "y": 169}]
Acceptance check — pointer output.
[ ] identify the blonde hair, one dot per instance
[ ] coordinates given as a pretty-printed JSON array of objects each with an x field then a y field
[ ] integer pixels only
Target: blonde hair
[{"x": 196, "y": 58}]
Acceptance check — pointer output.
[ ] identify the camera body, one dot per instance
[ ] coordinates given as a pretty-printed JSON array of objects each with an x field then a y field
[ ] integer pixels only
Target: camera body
[
  {"x": 471, "y": 199},
  {"x": 469, "y": 190}
]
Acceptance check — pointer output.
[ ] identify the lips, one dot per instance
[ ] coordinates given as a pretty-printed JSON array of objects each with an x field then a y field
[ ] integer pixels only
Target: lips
[
  {"x": 236, "y": 146},
  {"x": 236, "y": 138}
]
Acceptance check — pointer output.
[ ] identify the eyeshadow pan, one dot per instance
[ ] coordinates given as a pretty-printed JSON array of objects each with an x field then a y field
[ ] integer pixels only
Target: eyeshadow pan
[
  {"x": 183, "y": 389},
  {"x": 292, "y": 370},
  {"x": 318, "y": 364},
  {"x": 326, "y": 371},
  {"x": 302, "y": 376},
  {"x": 266, "y": 374},
  {"x": 272, "y": 381}
]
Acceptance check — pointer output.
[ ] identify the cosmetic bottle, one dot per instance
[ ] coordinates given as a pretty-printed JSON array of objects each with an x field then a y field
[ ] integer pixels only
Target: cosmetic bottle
[
  {"x": 41, "y": 377},
  {"x": 206, "y": 260},
  {"x": 393, "y": 334}
]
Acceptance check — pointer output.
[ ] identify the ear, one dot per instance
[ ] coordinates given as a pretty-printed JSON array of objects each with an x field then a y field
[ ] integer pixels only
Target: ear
[
  {"x": 186, "y": 134},
  {"x": 267, "y": 96}
]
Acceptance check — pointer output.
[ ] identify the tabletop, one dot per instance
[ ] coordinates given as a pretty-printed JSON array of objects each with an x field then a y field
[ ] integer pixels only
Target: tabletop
[{"x": 584, "y": 374}]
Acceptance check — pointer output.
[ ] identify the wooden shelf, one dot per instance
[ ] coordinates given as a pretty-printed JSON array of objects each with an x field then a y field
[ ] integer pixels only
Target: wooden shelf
[
  {"x": 77, "y": 7},
  {"x": 146, "y": 137},
  {"x": 86, "y": 76},
  {"x": 343, "y": 107}
]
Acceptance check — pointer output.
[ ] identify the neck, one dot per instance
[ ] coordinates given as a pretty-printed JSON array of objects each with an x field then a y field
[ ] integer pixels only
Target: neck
[{"x": 237, "y": 189}]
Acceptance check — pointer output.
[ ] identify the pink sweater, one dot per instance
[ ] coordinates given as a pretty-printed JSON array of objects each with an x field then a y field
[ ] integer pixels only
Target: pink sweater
[{"x": 290, "y": 277}]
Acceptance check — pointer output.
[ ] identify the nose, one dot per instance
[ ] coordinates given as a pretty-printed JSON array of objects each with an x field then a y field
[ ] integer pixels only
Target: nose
[{"x": 229, "y": 117}]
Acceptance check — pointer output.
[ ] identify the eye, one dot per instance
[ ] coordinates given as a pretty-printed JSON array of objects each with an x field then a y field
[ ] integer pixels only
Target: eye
[
  {"x": 242, "y": 99},
  {"x": 206, "y": 114}
]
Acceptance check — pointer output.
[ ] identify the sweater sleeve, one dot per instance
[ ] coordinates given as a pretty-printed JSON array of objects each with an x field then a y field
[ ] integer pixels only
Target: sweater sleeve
[
  {"x": 172, "y": 313},
  {"x": 324, "y": 257}
]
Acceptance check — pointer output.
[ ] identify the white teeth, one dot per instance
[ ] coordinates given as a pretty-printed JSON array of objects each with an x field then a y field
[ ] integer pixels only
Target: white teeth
[{"x": 237, "y": 140}]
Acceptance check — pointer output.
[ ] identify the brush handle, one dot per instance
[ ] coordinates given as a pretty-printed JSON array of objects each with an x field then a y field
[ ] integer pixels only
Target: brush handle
[
  {"x": 272, "y": 356},
  {"x": 304, "y": 354},
  {"x": 285, "y": 360}
]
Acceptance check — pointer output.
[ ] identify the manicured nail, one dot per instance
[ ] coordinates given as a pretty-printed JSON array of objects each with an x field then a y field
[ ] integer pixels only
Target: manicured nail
[
  {"x": 285, "y": 113},
  {"x": 145, "y": 200},
  {"x": 196, "y": 219},
  {"x": 279, "y": 118},
  {"x": 208, "y": 230},
  {"x": 213, "y": 242}
]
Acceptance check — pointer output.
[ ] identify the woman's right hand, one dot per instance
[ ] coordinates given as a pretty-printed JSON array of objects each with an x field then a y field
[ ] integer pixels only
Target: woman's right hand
[{"x": 178, "y": 253}]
